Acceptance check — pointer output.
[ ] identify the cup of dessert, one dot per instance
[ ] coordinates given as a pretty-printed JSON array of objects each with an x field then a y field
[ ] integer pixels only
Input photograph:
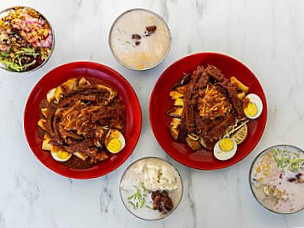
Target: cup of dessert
[
  {"x": 151, "y": 188},
  {"x": 139, "y": 39},
  {"x": 276, "y": 179},
  {"x": 27, "y": 39}
]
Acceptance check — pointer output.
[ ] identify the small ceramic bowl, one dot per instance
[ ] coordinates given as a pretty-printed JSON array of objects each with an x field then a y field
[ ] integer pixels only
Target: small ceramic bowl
[
  {"x": 262, "y": 188},
  {"x": 128, "y": 185},
  {"x": 134, "y": 42},
  {"x": 43, "y": 20}
]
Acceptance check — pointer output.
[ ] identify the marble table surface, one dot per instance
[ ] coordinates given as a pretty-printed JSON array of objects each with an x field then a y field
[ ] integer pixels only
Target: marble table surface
[{"x": 267, "y": 35}]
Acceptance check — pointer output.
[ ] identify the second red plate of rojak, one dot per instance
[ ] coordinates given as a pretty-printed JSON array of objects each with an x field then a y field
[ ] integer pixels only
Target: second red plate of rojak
[
  {"x": 82, "y": 120},
  {"x": 208, "y": 111}
]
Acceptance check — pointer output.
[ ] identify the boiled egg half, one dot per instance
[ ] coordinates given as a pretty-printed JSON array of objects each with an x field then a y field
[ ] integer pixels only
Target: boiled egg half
[
  {"x": 57, "y": 153},
  {"x": 225, "y": 149},
  {"x": 115, "y": 141},
  {"x": 60, "y": 155},
  {"x": 254, "y": 107}
]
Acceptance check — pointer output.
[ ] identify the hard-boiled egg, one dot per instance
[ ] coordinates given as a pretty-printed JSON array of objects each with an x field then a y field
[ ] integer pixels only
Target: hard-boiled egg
[
  {"x": 225, "y": 149},
  {"x": 114, "y": 141},
  {"x": 254, "y": 107},
  {"x": 60, "y": 155}
]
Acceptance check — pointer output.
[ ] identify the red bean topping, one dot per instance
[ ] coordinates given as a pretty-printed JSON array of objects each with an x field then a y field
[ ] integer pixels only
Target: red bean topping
[
  {"x": 161, "y": 201},
  {"x": 149, "y": 30},
  {"x": 136, "y": 37}
]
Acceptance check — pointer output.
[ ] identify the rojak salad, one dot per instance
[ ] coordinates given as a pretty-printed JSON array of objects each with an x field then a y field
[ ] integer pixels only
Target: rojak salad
[{"x": 26, "y": 39}]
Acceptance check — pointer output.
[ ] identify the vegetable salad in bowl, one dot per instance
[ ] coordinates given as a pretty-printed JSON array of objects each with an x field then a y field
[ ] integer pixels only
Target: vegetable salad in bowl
[{"x": 26, "y": 39}]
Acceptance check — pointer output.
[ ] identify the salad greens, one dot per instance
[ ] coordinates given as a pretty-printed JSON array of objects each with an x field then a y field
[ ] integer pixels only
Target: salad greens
[
  {"x": 138, "y": 198},
  {"x": 14, "y": 61},
  {"x": 288, "y": 161}
]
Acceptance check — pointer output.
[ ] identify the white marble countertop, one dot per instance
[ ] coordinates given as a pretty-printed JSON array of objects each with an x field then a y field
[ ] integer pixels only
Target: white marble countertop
[{"x": 266, "y": 35}]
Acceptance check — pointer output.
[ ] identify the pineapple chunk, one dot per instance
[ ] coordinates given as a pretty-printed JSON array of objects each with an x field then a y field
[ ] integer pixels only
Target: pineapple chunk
[
  {"x": 44, "y": 112},
  {"x": 179, "y": 102},
  {"x": 239, "y": 84},
  {"x": 70, "y": 85},
  {"x": 193, "y": 144},
  {"x": 46, "y": 143},
  {"x": 111, "y": 91},
  {"x": 175, "y": 122},
  {"x": 181, "y": 89},
  {"x": 83, "y": 82},
  {"x": 80, "y": 155},
  {"x": 174, "y": 128},
  {"x": 176, "y": 111},
  {"x": 41, "y": 123},
  {"x": 175, "y": 95}
]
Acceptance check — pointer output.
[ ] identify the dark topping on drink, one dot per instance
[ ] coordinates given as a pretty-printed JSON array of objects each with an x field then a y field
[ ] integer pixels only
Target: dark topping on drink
[
  {"x": 292, "y": 179},
  {"x": 136, "y": 37},
  {"x": 149, "y": 30},
  {"x": 297, "y": 178},
  {"x": 161, "y": 201}
]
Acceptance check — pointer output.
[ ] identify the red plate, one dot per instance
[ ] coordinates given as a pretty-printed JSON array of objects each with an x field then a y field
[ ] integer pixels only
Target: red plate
[
  {"x": 160, "y": 103},
  {"x": 95, "y": 72}
]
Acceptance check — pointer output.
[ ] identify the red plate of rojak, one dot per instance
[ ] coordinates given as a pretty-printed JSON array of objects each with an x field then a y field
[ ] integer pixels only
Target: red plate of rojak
[
  {"x": 81, "y": 124},
  {"x": 208, "y": 111}
]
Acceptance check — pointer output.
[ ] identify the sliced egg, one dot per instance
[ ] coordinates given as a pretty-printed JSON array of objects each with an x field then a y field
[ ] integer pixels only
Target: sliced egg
[
  {"x": 60, "y": 155},
  {"x": 225, "y": 149},
  {"x": 254, "y": 107},
  {"x": 115, "y": 141}
]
